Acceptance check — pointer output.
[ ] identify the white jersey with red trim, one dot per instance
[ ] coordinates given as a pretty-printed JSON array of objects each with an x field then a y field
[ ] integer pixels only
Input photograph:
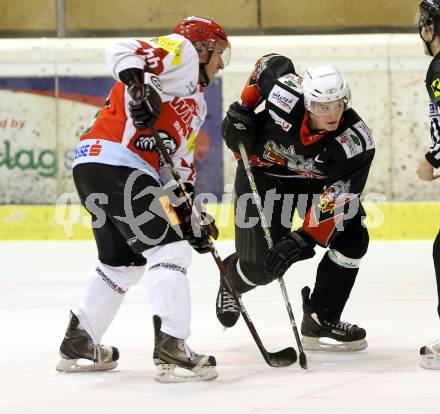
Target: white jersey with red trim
[{"x": 172, "y": 65}]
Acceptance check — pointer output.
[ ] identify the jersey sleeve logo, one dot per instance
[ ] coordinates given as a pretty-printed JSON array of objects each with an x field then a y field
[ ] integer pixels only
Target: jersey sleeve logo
[
  {"x": 435, "y": 86},
  {"x": 350, "y": 143},
  {"x": 282, "y": 99},
  {"x": 173, "y": 47},
  {"x": 280, "y": 121},
  {"x": 152, "y": 60},
  {"x": 156, "y": 82},
  {"x": 433, "y": 111},
  {"x": 366, "y": 134},
  {"x": 292, "y": 82}
]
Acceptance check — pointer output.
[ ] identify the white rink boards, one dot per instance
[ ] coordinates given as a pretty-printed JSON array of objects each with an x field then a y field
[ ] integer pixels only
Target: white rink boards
[{"x": 394, "y": 300}]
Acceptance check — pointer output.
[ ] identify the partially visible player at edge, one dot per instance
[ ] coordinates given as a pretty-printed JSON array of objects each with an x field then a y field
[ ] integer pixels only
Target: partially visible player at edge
[
  {"x": 309, "y": 144},
  {"x": 159, "y": 82},
  {"x": 429, "y": 30}
]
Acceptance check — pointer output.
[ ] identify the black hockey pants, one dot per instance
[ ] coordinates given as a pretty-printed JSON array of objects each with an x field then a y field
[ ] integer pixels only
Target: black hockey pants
[{"x": 109, "y": 194}]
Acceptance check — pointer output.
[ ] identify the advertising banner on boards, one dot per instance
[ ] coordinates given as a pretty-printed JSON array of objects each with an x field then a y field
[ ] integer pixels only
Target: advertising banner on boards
[{"x": 41, "y": 119}]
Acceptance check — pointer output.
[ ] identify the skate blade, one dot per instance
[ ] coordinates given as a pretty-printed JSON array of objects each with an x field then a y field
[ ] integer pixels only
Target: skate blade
[
  {"x": 170, "y": 373},
  {"x": 83, "y": 365},
  {"x": 329, "y": 345},
  {"x": 430, "y": 361}
]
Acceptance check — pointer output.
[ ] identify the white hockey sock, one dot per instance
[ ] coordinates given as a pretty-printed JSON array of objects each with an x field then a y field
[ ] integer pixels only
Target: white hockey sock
[
  {"x": 168, "y": 287},
  {"x": 170, "y": 298},
  {"x": 103, "y": 296}
]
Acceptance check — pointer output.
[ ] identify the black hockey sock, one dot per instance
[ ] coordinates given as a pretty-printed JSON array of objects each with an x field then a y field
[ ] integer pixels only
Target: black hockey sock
[
  {"x": 436, "y": 257},
  {"x": 332, "y": 288}
]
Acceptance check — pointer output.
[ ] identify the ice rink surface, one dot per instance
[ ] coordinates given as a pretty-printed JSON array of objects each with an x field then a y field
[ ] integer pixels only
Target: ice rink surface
[{"x": 394, "y": 300}]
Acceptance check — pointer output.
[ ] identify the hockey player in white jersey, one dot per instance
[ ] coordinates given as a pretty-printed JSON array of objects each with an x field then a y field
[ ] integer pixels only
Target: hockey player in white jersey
[
  {"x": 119, "y": 175},
  {"x": 429, "y": 30}
]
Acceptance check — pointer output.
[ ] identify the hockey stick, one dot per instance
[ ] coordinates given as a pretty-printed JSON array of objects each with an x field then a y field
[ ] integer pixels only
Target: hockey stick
[
  {"x": 268, "y": 237},
  {"x": 282, "y": 358}
]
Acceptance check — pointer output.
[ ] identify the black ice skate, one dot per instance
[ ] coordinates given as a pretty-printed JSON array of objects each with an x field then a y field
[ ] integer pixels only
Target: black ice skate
[
  {"x": 430, "y": 355},
  {"x": 171, "y": 354},
  {"x": 226, "y": 308},
  {"x": 328, "y": 335},
  {"x": 77, "y": 345}
]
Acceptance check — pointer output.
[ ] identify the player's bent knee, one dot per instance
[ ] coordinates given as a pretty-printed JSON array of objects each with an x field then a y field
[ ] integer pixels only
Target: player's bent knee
[
  {"x": 354, "y": 245},
  {"x": 342, "y": 260},
  {"x": 364, "y": 243},
  {"x": 120, "y": 278},
  {"x": 178, "y": 253}
]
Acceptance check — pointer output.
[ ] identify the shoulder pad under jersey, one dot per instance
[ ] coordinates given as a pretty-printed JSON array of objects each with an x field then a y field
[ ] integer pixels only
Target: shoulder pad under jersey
[
  {"x": 172, "y": 58},
  {"x": 181, "y": 65}
]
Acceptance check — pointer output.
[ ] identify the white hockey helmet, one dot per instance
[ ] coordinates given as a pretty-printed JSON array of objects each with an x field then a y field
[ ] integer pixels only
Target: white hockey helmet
[{"x": 325, "y": 90}]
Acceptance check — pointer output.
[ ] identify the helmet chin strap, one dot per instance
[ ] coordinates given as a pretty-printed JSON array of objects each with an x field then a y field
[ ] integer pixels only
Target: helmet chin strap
[
  {"x": 428, "y": 44},
  {"x": 203, "y": 76}
]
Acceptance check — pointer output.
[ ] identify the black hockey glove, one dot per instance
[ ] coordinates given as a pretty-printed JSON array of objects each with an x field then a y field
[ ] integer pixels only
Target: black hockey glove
[
  {"x": 292, "y": 248},
  {"x": 146, "y": 105},
  {"x": 239, "y": 126},
  {"x": 197, "y": 233}
]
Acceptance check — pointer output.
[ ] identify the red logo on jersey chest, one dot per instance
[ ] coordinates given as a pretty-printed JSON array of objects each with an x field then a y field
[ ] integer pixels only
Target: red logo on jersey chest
[{"x": 184, "y": 109}]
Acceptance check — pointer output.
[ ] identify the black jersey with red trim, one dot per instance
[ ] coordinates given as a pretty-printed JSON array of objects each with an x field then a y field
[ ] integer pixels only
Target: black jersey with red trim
[
  {"x": 433, "y": 88},
  {"x": 286, "y": 147}
]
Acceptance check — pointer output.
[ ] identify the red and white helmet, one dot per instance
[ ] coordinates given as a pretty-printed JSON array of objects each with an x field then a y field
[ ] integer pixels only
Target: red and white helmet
[{"x": 205, "y": 34}]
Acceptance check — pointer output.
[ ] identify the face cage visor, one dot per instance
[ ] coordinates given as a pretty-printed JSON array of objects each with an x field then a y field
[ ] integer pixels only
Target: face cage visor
[
  {"x": 208, "y": 48},
  {"x": 226, "y": 54},
  {"x": 224, "y": 50}
]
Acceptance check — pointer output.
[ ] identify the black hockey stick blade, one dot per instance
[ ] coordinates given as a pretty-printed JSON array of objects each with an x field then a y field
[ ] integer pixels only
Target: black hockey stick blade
[
  {"x": 282, "y": 358},
  {"x": 302, "y": 360}
]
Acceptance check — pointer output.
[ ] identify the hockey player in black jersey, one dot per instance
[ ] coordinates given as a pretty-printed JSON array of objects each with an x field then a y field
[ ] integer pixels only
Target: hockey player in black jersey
[
  {"x": 309, "y": 152},
  {"x": 429, "y": 30}
]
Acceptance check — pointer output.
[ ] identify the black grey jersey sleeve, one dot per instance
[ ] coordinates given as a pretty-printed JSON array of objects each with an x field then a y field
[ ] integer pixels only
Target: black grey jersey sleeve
[
  {"x": 433, "y": 154},
  {"x": 433, "y": 88}
]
